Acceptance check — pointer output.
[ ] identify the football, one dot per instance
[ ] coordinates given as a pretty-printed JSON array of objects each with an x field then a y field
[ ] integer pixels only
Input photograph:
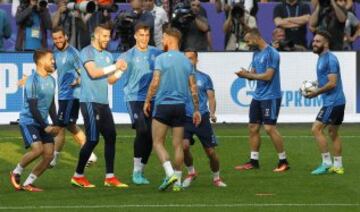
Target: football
[{"x": 308, "y": 85}]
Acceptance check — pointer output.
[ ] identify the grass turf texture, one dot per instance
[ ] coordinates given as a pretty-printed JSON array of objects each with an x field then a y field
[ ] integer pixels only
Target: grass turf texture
[{"x": 254, "y": 190}]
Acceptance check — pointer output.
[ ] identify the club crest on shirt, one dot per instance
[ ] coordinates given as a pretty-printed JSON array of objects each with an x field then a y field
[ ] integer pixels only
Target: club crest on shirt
[
  {"x": 63, "y": 60},
  {"x": 199, "y": 83},
  {"x": 107, "y": 59}
]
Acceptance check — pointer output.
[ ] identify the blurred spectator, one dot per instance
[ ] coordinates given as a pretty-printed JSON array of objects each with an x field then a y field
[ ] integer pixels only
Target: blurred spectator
[
  {"x": 125, "y": 22},
  {"x": 282, "y": 43},
  {"x": 293, "y": 16},
  {"x": 74, "y": 23},
  {"x": 250, "y": 6},
  {"x": 33, "y": 20},
  {"x": 195, "y": 34},
  {"x": 352, "y": 27},
  {"x": 237, "y": 22},
  {"x": 5, "y": 27},
  {"x": 160, "y": 17},
  {"x": 348, "y": 6},
  {"x": 102, "y": 15},
  {"x": 331, "y": 17}
]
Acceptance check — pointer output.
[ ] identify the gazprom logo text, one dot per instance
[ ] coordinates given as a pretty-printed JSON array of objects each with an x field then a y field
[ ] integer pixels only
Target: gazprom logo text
[{"x": 242, "y": 90}]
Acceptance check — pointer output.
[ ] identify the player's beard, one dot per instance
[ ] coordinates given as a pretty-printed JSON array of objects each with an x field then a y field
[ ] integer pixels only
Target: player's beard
[
  {"x": 49, "y": 68},
  {"x": 165, "y": 47},
  {"x": 253, "y": 47},
  {"x": 318, "y": 49},
  {"x": 61, "y": 46}
]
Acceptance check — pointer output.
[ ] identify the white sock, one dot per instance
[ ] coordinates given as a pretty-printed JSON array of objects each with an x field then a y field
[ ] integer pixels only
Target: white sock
[
  {"x": 326, "y": 158},
  {"x": 78, "y": 175},
  {"x": 109, "y": 175},
  {"x": 138, "y": 166},
  {"x": 56, "y": 154},
  {"x": 338, "y": 162},
  {"x": 216, "y": 175},
  {"x": 19, "y": 169},
  {"x": 282, "y": 156},
  {"x": 254, "y": 155},
  {"x": 168, "y": 168},
  {"x": 30, "y": 180},
  {"x": 178, "y": 174},
  {"x": 191, "y": 169}
]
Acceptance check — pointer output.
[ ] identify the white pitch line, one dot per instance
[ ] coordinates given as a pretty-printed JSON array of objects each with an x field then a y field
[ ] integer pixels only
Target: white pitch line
[
  {"x": 218, "y": 136},
  {"x": 235, "y": 205}
]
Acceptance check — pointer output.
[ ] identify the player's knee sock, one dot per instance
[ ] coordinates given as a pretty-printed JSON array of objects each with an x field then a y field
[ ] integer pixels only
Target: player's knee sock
[
  {"x": 138, "y": 166},
  {"x": 282, "y": 157},
  {"x": 326, "y": 158},
  {"x": 18, "y": 169},
  {"x": 178, "y": 175},
  {"x": 84, "y": 155},
  {"x": 168, "y": 168},
  {"x": 110, "y": 151},
  {"x": 338, "y": 162},
  {"x": 216, "y": 175},
  {"x": 254, "y": 158},
  {"x": 191, "y": 169},
  {"x": 30, "y": 180}
]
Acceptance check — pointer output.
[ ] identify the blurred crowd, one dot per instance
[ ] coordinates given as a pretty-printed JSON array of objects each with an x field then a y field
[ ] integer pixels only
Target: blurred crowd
[{"x": 292, "y": 20}]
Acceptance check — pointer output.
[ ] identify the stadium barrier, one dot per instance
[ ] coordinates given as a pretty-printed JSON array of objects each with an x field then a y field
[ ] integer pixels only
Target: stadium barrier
[{"x": 233, "y": 94}]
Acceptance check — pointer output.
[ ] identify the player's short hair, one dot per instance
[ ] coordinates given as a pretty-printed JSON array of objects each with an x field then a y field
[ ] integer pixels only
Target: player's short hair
[
  {"x": 141, "y": 25},
  {"x": 192, "y": 50},
  {"x": 106, "y": 26},
  {"x": 172, "y": 31},
  {"x": 324, "y": 34},
  {"x": 58, "y": 29},
  {"x": 253, "y": 31},
  {"x": 40, "y": 53}
]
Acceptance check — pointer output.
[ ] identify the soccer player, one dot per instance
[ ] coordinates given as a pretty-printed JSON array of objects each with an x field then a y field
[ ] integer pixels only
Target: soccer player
[
  {"x": 68, "y": 64},
  {"x": 332, "y": 112},
  {"x": 265, "y": 105},
  {"x": 35, "y": 129},
  {"x": 204, "y": 131},
  {"x": 171, "y": 80},
  {"x": 140, "y": 60},
  {"x": 94, "y": 105}
]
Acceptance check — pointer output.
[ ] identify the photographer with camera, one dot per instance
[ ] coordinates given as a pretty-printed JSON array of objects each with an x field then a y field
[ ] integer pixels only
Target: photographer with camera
[
  {"x": 281, "y": 43},
  {"x": 194, "y": 26},
  {"x": 293, "y": 16},
  {"x": 331, "y": 17},
  {"x": 237, "y": 22},
  {"x": 73, "y": 18},
  {"x": 125, "y": 22},
  {"x": 33, "y": 20}
]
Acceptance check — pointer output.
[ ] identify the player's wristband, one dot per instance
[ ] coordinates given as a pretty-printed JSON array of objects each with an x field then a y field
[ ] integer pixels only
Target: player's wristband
[
  {"x": 109, "y": 69},
  {"x": 118, "y": 74}
]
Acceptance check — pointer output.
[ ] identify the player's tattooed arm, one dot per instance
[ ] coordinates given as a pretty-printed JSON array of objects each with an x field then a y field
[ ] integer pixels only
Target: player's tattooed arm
[
  {"x": 194, "y": 92},
  {"x": 212, "y": 104},
  {"x": 195, "y": 98},
  {"x": 155, "y": 82}
]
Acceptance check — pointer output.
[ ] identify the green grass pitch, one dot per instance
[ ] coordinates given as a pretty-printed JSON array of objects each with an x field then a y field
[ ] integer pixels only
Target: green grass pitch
[{"x": 254, "y": 190}]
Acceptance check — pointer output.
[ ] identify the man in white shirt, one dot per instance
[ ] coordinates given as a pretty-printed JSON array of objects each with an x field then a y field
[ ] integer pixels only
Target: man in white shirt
[{"x": 160, "y": 17}]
